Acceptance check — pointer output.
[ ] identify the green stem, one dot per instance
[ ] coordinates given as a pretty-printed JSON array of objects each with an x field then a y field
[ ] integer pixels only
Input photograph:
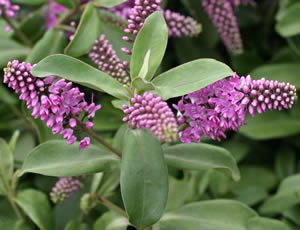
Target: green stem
[
  {"x": 66, "y": 16},
  {"x": 110, "y": 205},
  {"x": 66, "y": 28},
  {"x": 18, "y": 32},
  {"x": 99, "y": 139}
]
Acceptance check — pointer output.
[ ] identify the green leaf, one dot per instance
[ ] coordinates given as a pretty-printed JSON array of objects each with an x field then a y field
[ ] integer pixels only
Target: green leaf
[
  {"x": 10, "y": 50},
  {"x": 53, "y": 42},
  {"x": 260, "y": 223},
  {"x": 7, "y": 96},
  {"x": 87, "y": 32},
  {"x": 252, "y": 195},
  {"x": 293, "y": 214},
  {"x": 154, "y": 37},
  {"x": 144, "y": 178},
  {"x": 6, "y": 164},
  {"x": 76, "y": 71},
  {"x": 13, "y": 141},
  {"x": 270, "y": 125},
  {"x": 119, "y": 138},
  {"x": 288, "y": 23},
  {"x": 286, "y": 197},
  {"x": 285, "y": 163},
  {"x": 294, "y": 43},
  {"x": 208, "y": 215},
  {"x": 36, "y": 205},
  {"x": 145, "y": 67},
  {"x": 286, "y": 72},
  {"x": 29, "y": 2},
  {"x": 108, "y": 3},
  {"x": 111, "y": 221},
  {"x": 142, "y": 86},
  {"x": 190, "y": 77},
  {"x": 201, "y": 157},
  {"x": 57, "y": 158},
  {"x": 67, "y": 3}
]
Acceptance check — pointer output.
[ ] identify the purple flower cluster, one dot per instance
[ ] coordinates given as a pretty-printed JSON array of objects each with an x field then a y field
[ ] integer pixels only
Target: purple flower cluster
[
  {"x": 241, "y": 2},
  {"x": 53, "y": 101},
  {"x": 179, "y": 25},
  {"x": 123, "y": 10},
  {"x": 223, "y": 18},
  {"x": 64, "y": 188},
  {"x": 141, "y": 10},
  {"x": 103, "y": 55},
  {"x": 151, "y": 112},
  {"x": 54, "y": 9},
  {"x": 223, "y": 105},
  {"x": 9, "y": 10}
]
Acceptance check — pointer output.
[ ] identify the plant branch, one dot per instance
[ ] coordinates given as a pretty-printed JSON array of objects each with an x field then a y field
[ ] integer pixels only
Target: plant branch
[
  {"x": 66, "y": 28},
  {"x": 18, "y": 32},
  {"x": 110, "y": 205}
]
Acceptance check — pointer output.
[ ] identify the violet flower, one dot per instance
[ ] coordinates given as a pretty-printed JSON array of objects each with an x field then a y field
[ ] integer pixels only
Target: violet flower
[
  {"x": 224, "y": 104},
  {"x": 54, "y": 101},
  {"x": 123, "y": 10},
  {"x": 151, "y": 112},
  {"x": 223, "y": 18},
  {"x": 8, "y": 10},
  {"x": 103, "y": 55},
  {"x": 54, "y": 9},
  {"x": 64, "y": 188}
]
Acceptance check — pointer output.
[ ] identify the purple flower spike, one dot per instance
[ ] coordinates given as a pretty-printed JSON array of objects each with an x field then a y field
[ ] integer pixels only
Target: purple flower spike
[
  {"x": 64, "y": 188},
  {"x": 223, "y": 105},
  {"x": 9, "y": 10},
  {"x": 180, "y": 26},
  {"x": 55, "y": 102},
  {"x": 151, "y": 112},
  {"x": 222, "y": 16},
  {"x": 141, "y": 10},
  {"x": 103, "y": 55}
]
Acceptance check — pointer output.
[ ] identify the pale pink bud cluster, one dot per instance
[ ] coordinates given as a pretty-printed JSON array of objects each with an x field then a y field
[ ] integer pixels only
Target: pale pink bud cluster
[
  {"x": 180, "y": 26},
  {"x": 224, "y": 104},
  {"x": 103, "y": 55},
  {"x": 150, "y": 112},
  {"x": 8, "y": 9},
  {"x": 141, "y": 10},
  {"x": 54, "y": 101},
  {"x": 223, "y": 18},
  {"x": 64, "y": 188}
]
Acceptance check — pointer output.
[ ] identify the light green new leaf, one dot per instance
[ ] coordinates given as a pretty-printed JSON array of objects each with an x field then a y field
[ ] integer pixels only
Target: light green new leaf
[
  {"x": 144, "y": 178},
  {"x": 154, "y": 37},
  {"x": 77, "y": 71},
  {"x": 111, "y": 221},
  {"x": 286, "y": 197},
  {"x": 36, "y": 205},
  {"x": 53, "y": 42},
  {"x": 190, "y": 77},
  {"x": 201, "y": 157},
  {"x": 57, "y": 158},
  {"x": 87, "y": 32},
  {"x": 286, "y": 72},
  {"x": 208, "y": 215},
  {"x": 6, "y": 164},
  {"x": 288, "y": 23},
  {"x": 108, "y": 3},
  {"x": 260, "y": 223},
  {"x": 13, "y": 141}
]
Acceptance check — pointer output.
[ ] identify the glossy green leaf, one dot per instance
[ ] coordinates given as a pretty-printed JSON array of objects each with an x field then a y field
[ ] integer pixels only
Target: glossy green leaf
[
  {"x": 53, "y": 42},
  {"x": 36, "y": 205},
  {"x": 286, "y": 72},
  {"x": 190, "y": 77},
  {"x": 294, "y": 43},
  {"x": 208, "y": 215},
  {"x": 108, "y": 3},
  {"x": 251, "y": 195},
  {"x": 57, "y": 158},
  {"x": 144, "y": 178},
  {"x": 6, "y": 164},
  {"x": 260, "y": 223},
  {"x": 201, "y": 157},
  {"x": 288, "y": 23},
  {"x": 286, "y": 197},
  {"x": 67, "y": 3},
  {"x": 293, "y": 214},
  {"x": 13, "y": 141},
  {"x": 111, "y": 221},
  {"x": 74, "y": 70},
  {"x": 154, "y": 37},
  {"x": 10, "y": 50},
  {"x": 142, "y": 86},
  {"x": 146, "y": 65},
  {"x": 270, "y": 125},
  {"x": 87, "y": 32},
  {"x": 119, "y": 138}
]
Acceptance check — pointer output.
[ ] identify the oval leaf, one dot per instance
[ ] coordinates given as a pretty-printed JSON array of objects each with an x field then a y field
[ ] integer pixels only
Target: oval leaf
[
  {"x": 201, "y": 157},
  {"x": 77, "y": 71},
  {"x": 144, "y": 178},
  {"x": 260, "y": 223},
  {"x": 288, "y": 23},
  {"x": 108, "y": 3},
  {"x": 87, "y": 32},
  {"x": 57, "y": 158},
  {"x": 111, "y": 221},
  {"x": 36, "y": 205},
  {"x": 154, "y": 37},
  {"x": 208, "y": 215},
  {"x": 190, "y": 77}
]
